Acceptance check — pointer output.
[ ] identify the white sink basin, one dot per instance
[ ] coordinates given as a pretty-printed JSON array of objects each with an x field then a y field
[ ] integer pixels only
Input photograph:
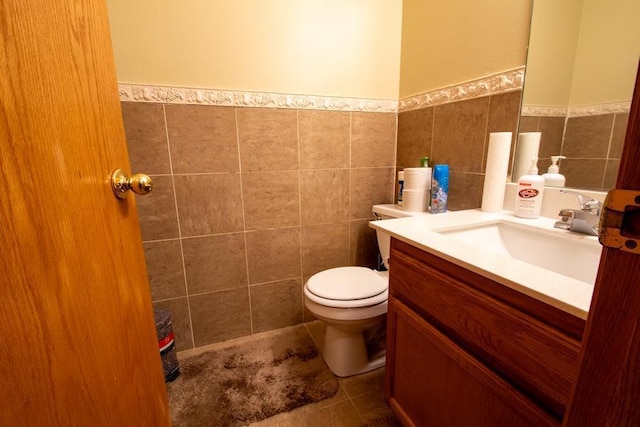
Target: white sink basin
[{"x": 560, "y": 251}]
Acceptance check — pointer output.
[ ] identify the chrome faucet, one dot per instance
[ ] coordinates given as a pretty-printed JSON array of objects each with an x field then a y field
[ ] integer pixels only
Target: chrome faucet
[{"x": 584, "y": 220}]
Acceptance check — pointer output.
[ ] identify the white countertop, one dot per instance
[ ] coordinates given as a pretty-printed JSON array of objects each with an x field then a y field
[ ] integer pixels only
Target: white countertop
[{"x": 560, "y": 291}]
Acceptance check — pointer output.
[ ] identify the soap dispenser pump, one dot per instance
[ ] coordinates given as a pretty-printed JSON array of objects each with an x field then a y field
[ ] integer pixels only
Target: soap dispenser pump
[
  {"x": 530, "y": 192},
  {"x": 553, "y": 177}
]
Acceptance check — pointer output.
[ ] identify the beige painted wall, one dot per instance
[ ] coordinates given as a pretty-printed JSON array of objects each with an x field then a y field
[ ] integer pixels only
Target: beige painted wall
[
  {"x": 608, "y": 51},
  {"x": 555, "y": 27},
  {"x": 448, "y": 42},
  {"x": 583, "y": 52},
  {"x": 346, "y": 48}
]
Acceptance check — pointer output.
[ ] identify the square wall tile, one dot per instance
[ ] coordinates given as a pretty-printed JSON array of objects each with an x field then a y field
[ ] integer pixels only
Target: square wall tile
[
  {"x": 268, "y": 139},
  {"x": 179, "y": 309},
  {"x": 503, "y": 117},
  {"x": 209, "y": 204},
  {"x": 273, "y": 254},
  {"x": 165, "y": 270},
  {"x": 618, "y": 136},
  {"x": 465, "y": 191},
  {"x": 324, "y": 139},
  {"x": 373, "y": 139},
  {"x": 324, "y": 246},
  {"x": 202, "y": 138},
  {"x": 363, "y": 244},
  {"x": 611, "y": 174},
  {"x": 157, "y": 211},
  {"x": 584, "y": 173},
  {"x": 271, "y": 199},
  {"x": 220, "y": 316},
  {"x": 215, "y": 263},
  {"x": 324, "y": 195},
  {"x": 528, "y": 124},
  {"x": 368, "y": 187},
  {"x": 415, "y": 132},
  {"x": 146, "y": 138},
  {"x": 551, "y": 135},
  {"x": 588, "y": 137},
  {"x": 459, "y": 134},
  {"x": 276, "y": 305},
  {"x": 504, "y": 110}
]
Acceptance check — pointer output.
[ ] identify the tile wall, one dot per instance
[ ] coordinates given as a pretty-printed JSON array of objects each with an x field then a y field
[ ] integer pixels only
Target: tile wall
[
  {"x": 592, "y": 144},
  {"x": 250, "y": 202},
  {"x": 457, "y": 134}
]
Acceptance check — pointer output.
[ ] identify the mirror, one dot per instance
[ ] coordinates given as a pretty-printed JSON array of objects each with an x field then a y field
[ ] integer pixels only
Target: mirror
[{"x": 581, "y": 68}]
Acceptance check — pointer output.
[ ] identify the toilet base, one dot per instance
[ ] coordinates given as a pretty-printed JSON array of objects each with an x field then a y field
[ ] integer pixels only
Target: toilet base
[{"x": 345, "y": 352}]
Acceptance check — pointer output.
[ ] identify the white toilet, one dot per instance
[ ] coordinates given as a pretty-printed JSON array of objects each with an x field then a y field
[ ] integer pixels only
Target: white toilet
[{"x": 352, "y": 302}]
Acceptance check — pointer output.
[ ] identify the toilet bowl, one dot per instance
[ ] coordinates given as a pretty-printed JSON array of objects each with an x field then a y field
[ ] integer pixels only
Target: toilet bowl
[{"x": 352, "y": 302}]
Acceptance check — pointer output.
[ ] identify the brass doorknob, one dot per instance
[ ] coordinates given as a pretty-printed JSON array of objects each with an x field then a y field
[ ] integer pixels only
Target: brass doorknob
[{"x": 138, "y": 183}]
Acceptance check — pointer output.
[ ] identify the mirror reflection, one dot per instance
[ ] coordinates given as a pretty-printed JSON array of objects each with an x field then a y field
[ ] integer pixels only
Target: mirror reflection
[{"x": 581, "y": 68}]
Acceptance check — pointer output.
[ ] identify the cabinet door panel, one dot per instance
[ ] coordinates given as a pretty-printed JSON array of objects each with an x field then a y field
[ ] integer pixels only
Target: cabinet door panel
[
  {"x": 433, "y": 382},
  {"x": 539, "y": 359}
]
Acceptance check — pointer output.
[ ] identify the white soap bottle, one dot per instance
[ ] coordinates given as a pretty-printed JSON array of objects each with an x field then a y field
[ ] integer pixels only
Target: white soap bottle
[
  {"x": 553, "y": 177},
  {"x": 530, "y": 192}
]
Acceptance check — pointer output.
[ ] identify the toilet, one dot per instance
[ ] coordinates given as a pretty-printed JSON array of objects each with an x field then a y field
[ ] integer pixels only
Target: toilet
[{"x": 352, "y": 302}]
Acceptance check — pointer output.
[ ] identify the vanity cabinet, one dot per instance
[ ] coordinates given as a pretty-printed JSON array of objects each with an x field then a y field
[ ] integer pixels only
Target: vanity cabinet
[{"x": 463, "y": 350}]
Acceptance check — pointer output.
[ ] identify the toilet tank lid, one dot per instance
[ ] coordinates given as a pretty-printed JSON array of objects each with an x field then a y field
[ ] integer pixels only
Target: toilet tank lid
[
  {"x": 393, "y": 211},
  {"x": 347, "y": 283}
]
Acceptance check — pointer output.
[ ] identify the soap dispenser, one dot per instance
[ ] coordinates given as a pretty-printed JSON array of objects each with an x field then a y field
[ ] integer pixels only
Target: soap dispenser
[
  {"x": 530, "y": 192},
  {"x": 553, "y": 178}
]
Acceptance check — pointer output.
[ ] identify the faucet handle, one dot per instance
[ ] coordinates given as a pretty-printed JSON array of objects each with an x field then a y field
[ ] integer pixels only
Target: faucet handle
[
  {"x": 566, "y": 214},
  {"x": 586, "y": 203}
]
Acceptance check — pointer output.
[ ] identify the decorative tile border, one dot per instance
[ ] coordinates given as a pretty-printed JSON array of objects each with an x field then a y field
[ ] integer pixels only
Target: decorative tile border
[
  {"x": 544, "y": 111},
  {"x": 581, "y": 111},
  {"x": 593, "y": 110},
  {"x": 503, "y": 82},
  {"x": 184, "y": 95}
]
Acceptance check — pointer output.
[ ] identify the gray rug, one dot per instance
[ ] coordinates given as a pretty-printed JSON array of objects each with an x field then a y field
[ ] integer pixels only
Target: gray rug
[{"x": 250, "y": 382}]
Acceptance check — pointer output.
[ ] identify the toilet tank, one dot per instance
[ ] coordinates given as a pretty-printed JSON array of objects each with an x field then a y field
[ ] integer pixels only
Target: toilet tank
[{"x": 382, "y": 212}]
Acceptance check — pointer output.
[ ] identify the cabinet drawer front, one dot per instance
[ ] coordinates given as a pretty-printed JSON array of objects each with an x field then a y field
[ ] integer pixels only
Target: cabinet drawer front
[{"x": 538, "y": 359}]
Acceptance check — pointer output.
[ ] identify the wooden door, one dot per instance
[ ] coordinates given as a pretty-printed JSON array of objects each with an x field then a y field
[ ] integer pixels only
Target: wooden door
[
  {"x": 607, "y": 392},
  {"x": 77, "y": 336}
]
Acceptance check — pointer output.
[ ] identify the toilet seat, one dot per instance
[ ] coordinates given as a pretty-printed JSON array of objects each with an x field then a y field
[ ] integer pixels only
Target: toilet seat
[{"x": 348, "y": 287}]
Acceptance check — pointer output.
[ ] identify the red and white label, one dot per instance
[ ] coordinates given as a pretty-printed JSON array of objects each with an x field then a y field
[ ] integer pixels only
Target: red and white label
[
  {"x": 166, "y": 342},
  {"x": 528, "y": 193}
]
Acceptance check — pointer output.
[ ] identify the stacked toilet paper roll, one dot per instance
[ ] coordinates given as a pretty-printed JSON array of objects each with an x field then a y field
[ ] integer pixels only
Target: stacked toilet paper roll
[
  {"x": 495, "y": 177},
  {"x": 527, "y": 147},
  {"x": 415, "y": 193}
]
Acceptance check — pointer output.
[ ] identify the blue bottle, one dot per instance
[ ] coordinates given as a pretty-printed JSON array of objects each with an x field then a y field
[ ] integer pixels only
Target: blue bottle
[{"x": 440, "y": 188}]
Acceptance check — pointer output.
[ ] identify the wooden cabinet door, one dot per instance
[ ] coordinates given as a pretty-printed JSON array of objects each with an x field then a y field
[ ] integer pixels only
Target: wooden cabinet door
[
  {"x": 79, "y": 345},
  {"x": 433, "y": 382}
]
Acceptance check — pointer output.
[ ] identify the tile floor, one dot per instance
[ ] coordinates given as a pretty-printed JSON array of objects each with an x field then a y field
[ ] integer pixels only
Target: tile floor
[{"x": 358, "y": 403}]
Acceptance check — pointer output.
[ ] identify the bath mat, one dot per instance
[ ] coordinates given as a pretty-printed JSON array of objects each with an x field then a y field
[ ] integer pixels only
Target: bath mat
[{"x": 249, "y": 382}]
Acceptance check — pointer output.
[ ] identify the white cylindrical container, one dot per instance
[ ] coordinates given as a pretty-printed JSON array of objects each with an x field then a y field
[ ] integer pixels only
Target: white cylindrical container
[
  {"x": 415, "y": 200},
  {"x": 553, "y": 177},
  {"x": 495, "y": 177},
  {"x": 527, "y": 147},
  {"x": 417, "y": 178}
]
